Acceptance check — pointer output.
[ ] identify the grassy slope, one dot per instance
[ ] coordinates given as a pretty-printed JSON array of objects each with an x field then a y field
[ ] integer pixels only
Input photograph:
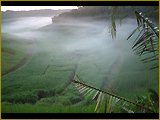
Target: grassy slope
[
  {"x": 13, "y": 50},
  {"x": 30, "y": 84},
  {"x": 62, "y": 65}
]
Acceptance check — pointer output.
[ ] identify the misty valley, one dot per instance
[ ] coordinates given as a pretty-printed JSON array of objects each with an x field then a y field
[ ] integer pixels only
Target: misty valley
[{"x": 39, "y": 59}]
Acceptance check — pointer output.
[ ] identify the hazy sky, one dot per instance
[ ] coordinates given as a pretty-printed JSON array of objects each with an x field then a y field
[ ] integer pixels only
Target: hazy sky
[{"x": 18, "y": 8}]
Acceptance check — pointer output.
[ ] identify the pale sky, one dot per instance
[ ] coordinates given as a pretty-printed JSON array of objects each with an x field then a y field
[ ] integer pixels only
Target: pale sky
[{"x": 19, "y": 8}]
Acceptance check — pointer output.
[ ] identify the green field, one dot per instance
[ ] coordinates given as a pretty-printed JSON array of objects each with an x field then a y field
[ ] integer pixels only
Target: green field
[
  {"x": 15, "y": 51},
  {"x": 43, "y": 84}
]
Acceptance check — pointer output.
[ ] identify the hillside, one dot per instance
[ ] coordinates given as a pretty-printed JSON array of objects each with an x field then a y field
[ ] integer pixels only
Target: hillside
[
  {"x": 15, "y": 51},
  {"x": 63, "y": 51},
  {"x": 31, "y": 13},
  {"x": 69, "y": 50},
  {"x": 102, "y": 12}
]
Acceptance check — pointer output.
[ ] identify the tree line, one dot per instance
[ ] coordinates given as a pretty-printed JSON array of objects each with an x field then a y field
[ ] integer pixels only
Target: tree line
[
  {"x": 32, "y": 13},
  {"x": 102, "y": 12}
]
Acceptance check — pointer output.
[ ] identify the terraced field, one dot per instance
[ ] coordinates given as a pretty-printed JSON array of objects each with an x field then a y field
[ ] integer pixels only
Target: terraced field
[{"x": 63, "y": 51}]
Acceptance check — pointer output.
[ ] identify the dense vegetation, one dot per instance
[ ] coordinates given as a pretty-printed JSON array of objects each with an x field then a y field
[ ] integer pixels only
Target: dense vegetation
[
  {"x": 66, "y": 50},
  {"x": 32, "y": 13},
  {"x": 101, "y": 12}
]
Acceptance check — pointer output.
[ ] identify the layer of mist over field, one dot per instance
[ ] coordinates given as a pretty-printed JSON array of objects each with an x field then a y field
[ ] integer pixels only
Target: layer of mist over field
[
  {"x": 19, "y": 25},
  {"x": 65, "y": 49},
  {"x": 79, "y": 35},
  {"x": 77, "y": 42},
  {"x": 74, "y": 41}
]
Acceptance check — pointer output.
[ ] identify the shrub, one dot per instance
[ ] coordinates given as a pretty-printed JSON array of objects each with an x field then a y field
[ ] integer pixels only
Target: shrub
[
  {"x": 45, "y": 101},
  {"x": 22, "y": 97},
  {"x": 41, "y": 93},
  {"x": 63, "y": 100},
  {"x": 75, "y": 99},
  {"x": 5, "y": 103}
]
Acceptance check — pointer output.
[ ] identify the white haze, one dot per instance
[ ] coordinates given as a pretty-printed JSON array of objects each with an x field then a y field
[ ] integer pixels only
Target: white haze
[
  {"x": 73, "y": 36},
  {"x": 18, "y": 25}
]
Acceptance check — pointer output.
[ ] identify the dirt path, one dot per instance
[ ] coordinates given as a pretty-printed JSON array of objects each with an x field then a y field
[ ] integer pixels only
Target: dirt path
[
  {"x": 46, "y": 69},
  {"x": 107, "y": 83},
  {"x": 69, "y": 80}
]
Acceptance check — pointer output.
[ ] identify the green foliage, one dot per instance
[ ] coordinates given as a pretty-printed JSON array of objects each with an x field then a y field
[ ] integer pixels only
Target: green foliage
[
  {"x": 111, "y": 99},
  {"x": 45, "y": 102},
  {"x": 153, "y": 95},
  {"x": 62, "y": 100},
  {"x": 43, "y": 93},
  {"x": 148, "y": 39},
  {"x": 5, "y": 103},
  {"x": 101, "y": 12},
  {"x": 151, "y": 100},
  {"x": 22, "y": 97},
  {"x": 86, "y": 11},
  {"x": 43, "y": 108}
]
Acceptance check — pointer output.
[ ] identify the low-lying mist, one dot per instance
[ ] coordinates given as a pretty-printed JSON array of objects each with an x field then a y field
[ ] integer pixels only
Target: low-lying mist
[
  {"x": 18, "y": 25},
  {"x": 67, "y": 48},
  {"x": 73, "y": 37}
]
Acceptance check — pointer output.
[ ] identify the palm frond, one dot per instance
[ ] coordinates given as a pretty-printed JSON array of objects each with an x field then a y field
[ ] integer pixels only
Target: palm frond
[
  {"x": 112, "y": 26},
  {"x": 153, "y": 95},
  {"x": 110, "y": 103},
  {"x": 99, "y": 101},
  {"x": 111, "y": 98},
  {"x": 147, "y": 40},
  {"x": 129, "y": 111},
  {"x": 122, "y": 19},
  {"x": 134, "y": 31},
  {"x": 95, "y": 95},
  {"x": 152, "y": 105}
]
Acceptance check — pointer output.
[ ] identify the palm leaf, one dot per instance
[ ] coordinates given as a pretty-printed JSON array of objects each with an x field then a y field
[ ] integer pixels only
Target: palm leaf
[
  {"x": 90, "y": 93},
  {"x": 95, "y": 95},
  {"x": 99, "y": 101},
  {"x": 151, "y": 41},
  {"x": 134, "y": 32},
  {"x": 148, "y": 41},
  {"x": 87, "y": 92},
  {"x": 115, "y": 101},
  {"x": 112, "y": 26},
  {"x": 129, "y": 111},
  {"x": 110, "y": 101},
  {"x": 109, "y": 105},
  {"x": 142, "y": 38},
  {"x": 148, "y": 32},
  {"x": 153, "y": 95},
  {"x": 152, "y": 105},
  {"x": 122, "y": 19}
]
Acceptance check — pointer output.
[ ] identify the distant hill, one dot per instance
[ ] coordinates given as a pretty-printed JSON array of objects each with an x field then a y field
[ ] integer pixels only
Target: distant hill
[
  {"x": 101, "y": 12},
  {"x": 32, "y": 13}
]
